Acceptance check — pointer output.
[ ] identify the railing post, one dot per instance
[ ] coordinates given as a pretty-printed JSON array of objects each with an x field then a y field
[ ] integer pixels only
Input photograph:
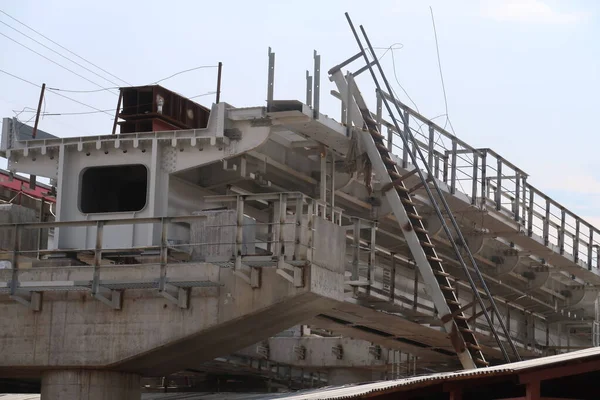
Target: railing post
[
  {"x": 239, "y": 233},
  {"x": 393, "y": 278},
  {"x": 474, "y": 183},
  {"x": 406, "y": 133},
  {"x": 590, "y": 247},
  {"x": 270, "y": 79},
  {"x": 483, "y": 178},
  {"x": 282, "y": 223},
  {"x": 390, "y": 136},
  {"x": 437, "y": 167},
  {"x": 524, "y": 197},
  {"x": 431, "y": 147},
  {"x": 379, "y": 115},
  {"x": 356, "y": 249},
  {"x": 530, "y": 213},
  {"x": 561, "y": 234},
  {"x": 576, "y": 241},
  {"x": 310, "y": 224},
  {"x": 317, "y": 84},
  {"x": 445, "y": 177},
  {"x": 517, "y": 203},
  {"x": 453, "y": 169},
  {"x": 547, "y": 223},
  {"x": 371, "y": 266},
  {"x": 14, "y": 284},
  {"x": 499, "y": 185},
  {"x": 299, "y": 217}
]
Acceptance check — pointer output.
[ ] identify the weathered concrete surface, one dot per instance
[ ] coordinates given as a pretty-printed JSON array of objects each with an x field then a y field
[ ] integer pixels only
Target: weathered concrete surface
[
  {"x": 151, "y": 336},
  {"x": 90, "y": 385},
  {"x": 345, "y": 376}
]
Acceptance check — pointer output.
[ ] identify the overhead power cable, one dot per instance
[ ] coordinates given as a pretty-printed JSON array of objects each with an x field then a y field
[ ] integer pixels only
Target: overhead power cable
[
  {"x": 56, "y": 52},
  {"x": 52, "y": 61},
  {"x": 184, "y": 71},
  {"x": 55, "y": 93},
  {"x": 64, "y": 48}
]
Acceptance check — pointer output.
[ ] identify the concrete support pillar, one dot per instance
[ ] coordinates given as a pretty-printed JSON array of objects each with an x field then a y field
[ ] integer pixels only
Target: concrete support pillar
[
  {"x": 90, "y": 385},
  {"x": 344, "y": 376}
]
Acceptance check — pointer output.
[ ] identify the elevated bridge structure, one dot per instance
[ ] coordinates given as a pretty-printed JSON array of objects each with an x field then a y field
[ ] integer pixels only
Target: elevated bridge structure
[{"x": 176, "y": 248}]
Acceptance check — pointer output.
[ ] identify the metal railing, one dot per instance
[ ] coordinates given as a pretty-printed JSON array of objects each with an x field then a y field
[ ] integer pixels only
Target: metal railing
[{"x": 489, "y": 180}]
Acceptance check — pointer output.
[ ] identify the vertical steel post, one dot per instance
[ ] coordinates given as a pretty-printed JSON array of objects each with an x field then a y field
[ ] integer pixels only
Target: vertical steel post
[
  {"x": 271, "y": 79},
  {"x": 14, "y": 283},
  {"x": 317, "y": 84},
  {"x": 219, "y": 72},
  {"x": 483, "y": 178},
  {"x": 39, "y": 110},
  {"x": 282, "y": 223},
  {"x": 119, "y": 101},
  {"x": 530, "y": 213},
  {"x": 474, "y": 182},
  {"x": 390, "y": 141},
  {"x": 393, "y": 278},
  {"x": 576, "y": 241},
  {"x": 239, "y": 233},
  {"x": 430, "y": 147},
  {"x": 416, "y": 290},
  {"x": 453, "y": 168},
  {"x": 406, "y": 128},
  {"x": 371, "y": 266},
  {"x": 379, "y": 115},
  {"x": 40, "y": 230},
  {"x": 499, "y": 185},
  {"x": 309, "y": 83},
  {"x": 561, "y": 234},
  {"x": 546, "y": 230},
  {"x": 590, "y": 248},
  {"x": 299, "y": 216},
  {"x": 332, "y": 182},
  {"x": 356, "y": 249},
  {"x": 323, "y": 182},
  {"x": 517, "y": 203}
]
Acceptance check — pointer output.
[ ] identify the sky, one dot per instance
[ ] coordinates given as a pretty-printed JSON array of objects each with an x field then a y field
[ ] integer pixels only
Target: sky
[{"x": 520, "y": 76}]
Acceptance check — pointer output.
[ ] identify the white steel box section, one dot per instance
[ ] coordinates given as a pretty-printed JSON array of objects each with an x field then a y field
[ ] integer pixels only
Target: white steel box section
[{"x": 161, "y": 153}]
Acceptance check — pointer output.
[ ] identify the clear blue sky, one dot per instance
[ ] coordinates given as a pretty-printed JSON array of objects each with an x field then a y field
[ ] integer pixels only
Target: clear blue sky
[{"x": 521, "y": 76}]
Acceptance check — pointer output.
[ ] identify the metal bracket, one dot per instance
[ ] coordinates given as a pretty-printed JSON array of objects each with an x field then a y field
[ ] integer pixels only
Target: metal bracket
[
  {"x": 295, "y": 274},
  {"x": 250, "y": 275},
  {"x": 33, "y": 301},
  {"x": 176, "y": 295},
  {"x": 112, "y": 298}
]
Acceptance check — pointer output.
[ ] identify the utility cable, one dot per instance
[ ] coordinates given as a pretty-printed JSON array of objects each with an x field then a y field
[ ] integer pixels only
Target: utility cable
[
  {"x": 56, "y": 52},
  {"x": 62, "y": 47},
  {"x": 55, "y": 93},
  {"x": 437, "y": 48},
  {"x": 184, "y": 71},
  {"x": 52, "y": 61}
]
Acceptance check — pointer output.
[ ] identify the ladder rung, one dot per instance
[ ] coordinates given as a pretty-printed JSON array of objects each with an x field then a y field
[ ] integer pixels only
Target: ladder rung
[
  {"x": 409, "y": 203},
  {"x": 432, "y": 258},
  {"x": 421, "y": 230},
  {"x": 441, "y": 273},
  {"x": 376, "y": 134},
  {"x": 427, "y": 244},
  {"x": 466, "y": 330},
  {"x": 414, "y": 216},
  {"x": 480, "y": 361},
  {"x": 389, "y": 161},
  {"x": 401, "y": 188},
  {"x": 453, "y": 302},
  {"x": 448, "y": 289},
  {"x": 473, "y": 346},
  {"x": 460, "y": 317},
  {"x": 381, "y": 147},
  {"x": 395, "y": 175}
]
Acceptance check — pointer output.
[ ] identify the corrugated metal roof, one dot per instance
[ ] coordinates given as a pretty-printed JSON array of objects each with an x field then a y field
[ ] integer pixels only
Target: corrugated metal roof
[{"x": 354, "y": 391}]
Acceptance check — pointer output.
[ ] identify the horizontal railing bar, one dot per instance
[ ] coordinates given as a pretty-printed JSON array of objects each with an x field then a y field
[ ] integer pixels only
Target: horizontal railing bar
[{"x": 106, "y": 222}]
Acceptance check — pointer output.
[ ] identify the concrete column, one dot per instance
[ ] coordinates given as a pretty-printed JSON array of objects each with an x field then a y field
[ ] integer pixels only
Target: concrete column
[
  {"x": 90, "y": 385},
  {"x": 345, "y": 376}
]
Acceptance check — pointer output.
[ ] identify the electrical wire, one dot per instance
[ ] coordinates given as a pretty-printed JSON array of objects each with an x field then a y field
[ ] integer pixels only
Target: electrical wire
[
  {"x": 437, "y": 48},
  {"x": 81, "y": 91},
  {"x": 56, "y": 52},
  {"x": 55, "y": 93},
  {"x": 184, "y": 71},
  {"x": 64, "y": 48},
  {"x": 52, "y": 61}
]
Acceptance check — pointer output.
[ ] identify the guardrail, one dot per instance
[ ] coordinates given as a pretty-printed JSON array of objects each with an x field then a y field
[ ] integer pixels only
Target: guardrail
[{"x": 489, "y": 180}]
